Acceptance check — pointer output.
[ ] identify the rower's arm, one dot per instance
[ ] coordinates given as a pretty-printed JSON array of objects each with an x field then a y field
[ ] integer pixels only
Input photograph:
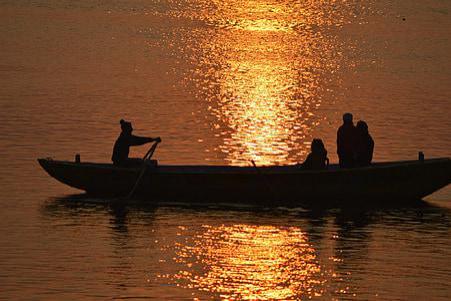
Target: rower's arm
[{"x": 137, "y": 140}]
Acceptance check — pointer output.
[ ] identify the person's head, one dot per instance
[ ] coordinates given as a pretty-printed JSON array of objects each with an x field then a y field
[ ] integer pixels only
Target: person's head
[
  {"x": 126, "y": 126},
  {"x": 347, "y": 118},
  {"x": 317, "y": 146},
  {"x": 362, "y": 127}
]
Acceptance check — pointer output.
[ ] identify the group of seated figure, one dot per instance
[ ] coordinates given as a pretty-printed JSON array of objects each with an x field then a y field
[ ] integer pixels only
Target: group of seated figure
[{"x": 355, "y": 147}]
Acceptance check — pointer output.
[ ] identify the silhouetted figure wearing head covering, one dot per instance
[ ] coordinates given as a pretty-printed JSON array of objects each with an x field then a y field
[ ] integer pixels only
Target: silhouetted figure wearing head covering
[
  {"x": 124, "y": 141},
  {"x": 365, "y": 145},
  {"x": 317, "y": 159},
  {"x": 346, "y": 142}
]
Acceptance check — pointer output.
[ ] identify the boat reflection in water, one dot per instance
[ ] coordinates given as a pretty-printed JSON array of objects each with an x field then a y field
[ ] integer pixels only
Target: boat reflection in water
[
  {"x": 251, "y": 262},
  {"x": 262, "y": 67},
  {"x": 204, "y": 252}
]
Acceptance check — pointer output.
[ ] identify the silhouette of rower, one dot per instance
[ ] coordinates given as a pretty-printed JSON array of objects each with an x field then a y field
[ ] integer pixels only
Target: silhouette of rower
[
  {"x": 124, "y": 141},
  {"x": 346, "y": 142},
  {"x": 317, "y": 159},
  {"x": 365, "y": 145}
]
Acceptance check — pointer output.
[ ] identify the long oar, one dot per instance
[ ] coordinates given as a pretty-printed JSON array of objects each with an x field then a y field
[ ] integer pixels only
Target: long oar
[{"x": 146, "y": 157}]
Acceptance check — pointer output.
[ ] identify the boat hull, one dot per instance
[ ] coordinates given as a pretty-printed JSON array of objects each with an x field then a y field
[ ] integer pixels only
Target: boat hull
[{"x": 391, "y": 181}]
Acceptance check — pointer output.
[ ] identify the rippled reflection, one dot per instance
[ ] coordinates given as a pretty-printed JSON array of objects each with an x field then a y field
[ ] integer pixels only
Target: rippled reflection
[
  {"x": 250, "y": 262},
  {"x": 262, "y": 66}
]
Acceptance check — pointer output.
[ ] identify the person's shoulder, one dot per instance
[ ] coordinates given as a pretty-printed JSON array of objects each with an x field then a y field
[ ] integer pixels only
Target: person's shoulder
[{"x": 124, "y": 138}]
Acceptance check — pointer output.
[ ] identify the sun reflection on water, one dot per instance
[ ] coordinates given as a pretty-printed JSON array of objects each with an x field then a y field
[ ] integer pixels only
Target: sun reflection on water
[
  {"x": 255, "y": 105},
  {"x": 261, "y": 66},
  {"x": 250, "y": 262}
]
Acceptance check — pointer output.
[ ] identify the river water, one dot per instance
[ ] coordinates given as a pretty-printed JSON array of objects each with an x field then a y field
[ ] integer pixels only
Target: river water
[{"x": 222, "y": 82}]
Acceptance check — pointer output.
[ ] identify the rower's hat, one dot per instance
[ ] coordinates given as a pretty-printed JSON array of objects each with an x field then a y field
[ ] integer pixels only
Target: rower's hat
[{"x": 125, "y": 125}]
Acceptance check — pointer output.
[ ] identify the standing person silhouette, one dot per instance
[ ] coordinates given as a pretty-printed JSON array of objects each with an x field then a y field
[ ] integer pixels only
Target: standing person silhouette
[
  {"x": 122, "y": 145},
  {"x": 346, "y": 142},
  {"x": 365, "y": 145}
]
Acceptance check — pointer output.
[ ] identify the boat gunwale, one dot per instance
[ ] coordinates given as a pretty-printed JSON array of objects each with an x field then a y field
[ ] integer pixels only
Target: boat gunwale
[{"x": 231, "y": 169}]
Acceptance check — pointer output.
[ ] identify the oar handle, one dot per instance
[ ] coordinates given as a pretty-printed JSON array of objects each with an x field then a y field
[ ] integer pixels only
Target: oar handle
[{"x": 149, "y": 154}]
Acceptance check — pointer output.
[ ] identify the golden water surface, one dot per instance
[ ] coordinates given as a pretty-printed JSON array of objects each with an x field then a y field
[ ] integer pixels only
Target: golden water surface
[
  {"x": 222, "y": 82},
  {"x": 251, "y": 263},
  {"x": 263, "y": 67}
]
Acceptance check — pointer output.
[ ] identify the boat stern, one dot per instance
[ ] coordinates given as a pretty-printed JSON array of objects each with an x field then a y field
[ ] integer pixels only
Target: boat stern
[{"x": 94, "y": 178}]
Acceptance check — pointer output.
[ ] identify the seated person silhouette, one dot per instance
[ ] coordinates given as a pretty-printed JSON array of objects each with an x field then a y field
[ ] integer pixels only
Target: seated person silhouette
[
  {"x": 365, "y": 145},
  {"x": 346, "y": 142},
  {"x": 317, "y": 159},
  {"x": 124, "y": 141}
]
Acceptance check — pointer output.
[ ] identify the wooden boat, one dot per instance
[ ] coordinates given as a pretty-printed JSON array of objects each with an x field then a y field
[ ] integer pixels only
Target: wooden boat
[{"x": 388, "y": 181}]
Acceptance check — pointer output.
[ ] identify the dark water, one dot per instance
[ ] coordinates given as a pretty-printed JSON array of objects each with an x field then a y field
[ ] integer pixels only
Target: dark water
[{"x": 222, "y": 82}]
